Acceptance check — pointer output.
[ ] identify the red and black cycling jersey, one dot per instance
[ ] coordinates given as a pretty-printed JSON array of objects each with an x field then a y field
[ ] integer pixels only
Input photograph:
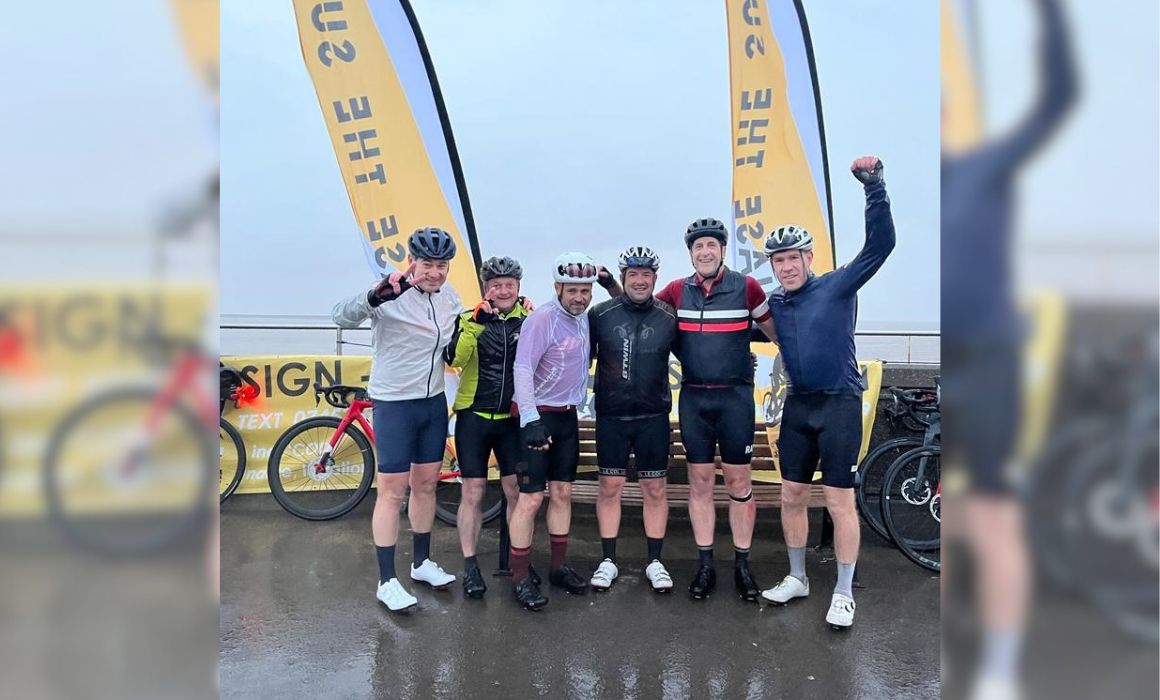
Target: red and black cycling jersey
[{"x": 714, "y": 326}]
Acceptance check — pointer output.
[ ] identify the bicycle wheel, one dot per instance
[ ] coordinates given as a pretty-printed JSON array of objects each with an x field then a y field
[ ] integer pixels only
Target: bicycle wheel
[
  {"x": 231, "y": 459},
  {"x": 1114, "y": 496},
  {"x": 449, "y": 494},
  {"x": 871, "y": 475},
  {"x": 912, "y": 506},
  {"x": 313, "y": 481},
  {"x": 120, "y": 480},
  {"x": 1050, "y": 521}
]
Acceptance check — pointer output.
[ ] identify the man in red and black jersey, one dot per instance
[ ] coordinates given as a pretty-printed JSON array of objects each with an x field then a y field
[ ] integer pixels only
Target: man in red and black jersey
[{"x": 716, "y": 311}]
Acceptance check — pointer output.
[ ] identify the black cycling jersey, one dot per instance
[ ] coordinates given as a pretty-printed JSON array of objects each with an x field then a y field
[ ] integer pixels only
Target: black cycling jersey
[{"x": 631, "y": 344}]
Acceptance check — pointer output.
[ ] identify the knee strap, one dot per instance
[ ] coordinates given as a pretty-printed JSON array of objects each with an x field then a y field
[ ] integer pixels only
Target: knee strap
[{"x": 747, "y": 497}]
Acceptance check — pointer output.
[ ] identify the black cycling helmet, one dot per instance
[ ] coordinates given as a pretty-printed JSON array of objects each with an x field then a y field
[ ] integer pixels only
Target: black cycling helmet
[
  {"x": 500, "y": 267},
  {"x": 705, "y": 227},
  {"x": 431, "y": 243}
]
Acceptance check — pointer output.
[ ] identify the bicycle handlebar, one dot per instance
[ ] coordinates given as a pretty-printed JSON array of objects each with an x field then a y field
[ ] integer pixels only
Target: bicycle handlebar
[
  {"x": 921, "y": 405},
  {"x": 338, "y": 395},
  {"x": 920, "y": 397},
  {"x": 229, "y": 385}
]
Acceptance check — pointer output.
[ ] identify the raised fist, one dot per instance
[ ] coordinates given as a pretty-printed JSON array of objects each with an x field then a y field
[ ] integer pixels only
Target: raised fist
[{"x": 868, "y": 170}]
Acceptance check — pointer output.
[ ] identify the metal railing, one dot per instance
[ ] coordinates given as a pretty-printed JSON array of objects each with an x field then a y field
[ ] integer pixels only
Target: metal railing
[{"x": 340, "y": 340}]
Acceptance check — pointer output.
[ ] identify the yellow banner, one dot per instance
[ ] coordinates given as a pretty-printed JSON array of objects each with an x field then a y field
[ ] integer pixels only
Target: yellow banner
[
  {"x": 1042, "y": 355},
  {"x": 775, "y": 401},
  {"x": 961, "y": 114},
  {"x": 392, "y": 185},
  {"x": 197, "y": 21},
  {"x": 90, "y": 342},
  {"x": 285, "y": 386},
  {"x": 772, "y": 182}
]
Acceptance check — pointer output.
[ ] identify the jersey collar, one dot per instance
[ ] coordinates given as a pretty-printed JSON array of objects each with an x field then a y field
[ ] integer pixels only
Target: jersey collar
[{"x": 698, "y": 281}]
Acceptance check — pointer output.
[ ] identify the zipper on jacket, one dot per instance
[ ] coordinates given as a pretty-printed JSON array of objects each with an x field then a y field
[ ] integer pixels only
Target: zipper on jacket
[
  {"x": 438, "y": 337},
  {"x": 503, "y": 370}
]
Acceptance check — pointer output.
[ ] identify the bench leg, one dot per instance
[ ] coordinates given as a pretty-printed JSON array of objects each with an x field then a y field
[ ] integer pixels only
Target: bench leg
[
  {"x": 503, "y": 567},
  {"x": 826, "y": 541}
]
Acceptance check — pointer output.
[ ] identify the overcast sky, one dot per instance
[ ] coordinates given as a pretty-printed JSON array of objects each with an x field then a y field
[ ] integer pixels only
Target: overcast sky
[{"x": 587, "y": 125}]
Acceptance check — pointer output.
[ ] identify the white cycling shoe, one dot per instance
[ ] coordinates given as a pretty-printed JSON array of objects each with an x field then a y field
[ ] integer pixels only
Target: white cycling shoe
[
  {"x": 790, "y": 587},
  {"x": 430, "y": 573},
  {"x": 394, "y": 596},
  {"x": 841, "y": 614},
  {"x": 604, "y": 575},
  {"x": 987, "y": 688},
  {"x": 658, "y": 577}
]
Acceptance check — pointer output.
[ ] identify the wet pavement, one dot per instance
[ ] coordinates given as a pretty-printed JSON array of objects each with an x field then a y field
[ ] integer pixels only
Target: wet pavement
[{"x": 299, "y": 619}]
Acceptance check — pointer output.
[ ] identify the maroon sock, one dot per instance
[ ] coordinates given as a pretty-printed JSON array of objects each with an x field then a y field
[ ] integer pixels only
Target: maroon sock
[
  {"x": 520, "y": 557},
  {"x": 559, "y": 549}
]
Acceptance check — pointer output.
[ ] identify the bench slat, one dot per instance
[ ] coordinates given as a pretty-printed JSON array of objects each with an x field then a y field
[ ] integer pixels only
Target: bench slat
[{"x": 765, "y": 495}]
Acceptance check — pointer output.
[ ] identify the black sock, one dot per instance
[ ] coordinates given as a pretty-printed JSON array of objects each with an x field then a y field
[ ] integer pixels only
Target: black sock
[
  {"x": 470, "y": 562},
  {"x": 386, "y": 557},
  {"x": 654, "y": 548},
  {"x": 422, "y": 542},
  {"x": 705, "y": 554},
  {"x": 740, "y": 557},
  {"x": 608, "y": 544}
]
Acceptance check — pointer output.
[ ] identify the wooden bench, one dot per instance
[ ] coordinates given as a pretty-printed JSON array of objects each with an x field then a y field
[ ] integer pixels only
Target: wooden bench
[{"x": 585, "y": 489}]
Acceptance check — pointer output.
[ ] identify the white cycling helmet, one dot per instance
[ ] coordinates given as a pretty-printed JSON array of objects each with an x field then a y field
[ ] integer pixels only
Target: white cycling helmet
[
  {"x": 639, "y": 256},
  {"x": 575, "y": 268},
  {"x": 788, "y": 238}
]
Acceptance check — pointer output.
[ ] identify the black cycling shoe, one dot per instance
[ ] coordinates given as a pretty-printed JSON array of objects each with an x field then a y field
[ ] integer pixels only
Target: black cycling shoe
[
  {"x": 534, "y": 576},
  {"x": 747, "y": 587},
  {"x": 473, "y": 585},
  {"x": 527, "y": 593},
  {"x": 704, "y": 581},
  {"x": 569, "y": 580}
]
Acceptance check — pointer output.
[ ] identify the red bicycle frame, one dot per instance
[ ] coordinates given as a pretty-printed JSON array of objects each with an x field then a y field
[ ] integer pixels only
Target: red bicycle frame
[{"x": 354, "y": 414}]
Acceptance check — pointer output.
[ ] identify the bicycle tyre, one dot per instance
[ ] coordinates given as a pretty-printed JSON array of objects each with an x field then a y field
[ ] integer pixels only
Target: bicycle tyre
[
  {"x": 871, "y": 476},
  {"x": 916, "y": 548},
  {"x": 448, "y": 494},
  {"x": 306, "y": 506},
  {"x": 130, "y": 534},
  {"x": 1126, "y": 594},
  {"x": 227, "y": 431},
  {"x": 1048, "y": 519}
]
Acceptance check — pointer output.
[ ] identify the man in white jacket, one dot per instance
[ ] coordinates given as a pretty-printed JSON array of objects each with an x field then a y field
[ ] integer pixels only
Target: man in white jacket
[{"x": 412, "y": 319}]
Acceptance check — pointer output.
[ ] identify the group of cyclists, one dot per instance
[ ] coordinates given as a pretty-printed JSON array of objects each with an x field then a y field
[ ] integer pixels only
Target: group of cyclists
[{"x": 525, "y": 371}]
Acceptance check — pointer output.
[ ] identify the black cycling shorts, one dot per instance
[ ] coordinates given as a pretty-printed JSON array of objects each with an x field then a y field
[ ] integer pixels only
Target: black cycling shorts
[
  {"x": 477, "y": 437},
  {"x": 413, "y": 431},
  {"x": 718, "y": 418},
  {"x": 559, "y": 461},
  {"x": 647, "y": 438},
  {"x": 981, "y": 412},
  {"x": 825, "y": 427}
]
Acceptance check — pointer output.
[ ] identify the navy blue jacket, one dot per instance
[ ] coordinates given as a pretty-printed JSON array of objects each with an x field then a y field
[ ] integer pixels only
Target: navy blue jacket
[
  {"x": 978, "y": 203},
  {"x": 815, "y": 324}
]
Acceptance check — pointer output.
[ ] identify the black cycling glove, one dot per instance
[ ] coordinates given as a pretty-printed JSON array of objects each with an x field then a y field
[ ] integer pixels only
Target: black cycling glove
[
  {"x": 604, "y": 278},
  {"x": 536, "y": 435},
  {"x": 383, "y": 292}
]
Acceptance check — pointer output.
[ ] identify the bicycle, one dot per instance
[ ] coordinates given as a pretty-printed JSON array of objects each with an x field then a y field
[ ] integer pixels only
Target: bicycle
[
  {"x": 1094, "y": 501},
  {"x": 913, "y": 409},
  {"x": 321, "y": 468},
  {"x": 231, "y": 449},
  {"x": 129, "y": 471},
  {"x": 912, "y": 505}
]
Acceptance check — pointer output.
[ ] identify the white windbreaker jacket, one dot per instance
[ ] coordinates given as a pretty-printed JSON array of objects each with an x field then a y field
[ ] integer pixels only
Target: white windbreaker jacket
[{"x": 408, "y": 335}]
